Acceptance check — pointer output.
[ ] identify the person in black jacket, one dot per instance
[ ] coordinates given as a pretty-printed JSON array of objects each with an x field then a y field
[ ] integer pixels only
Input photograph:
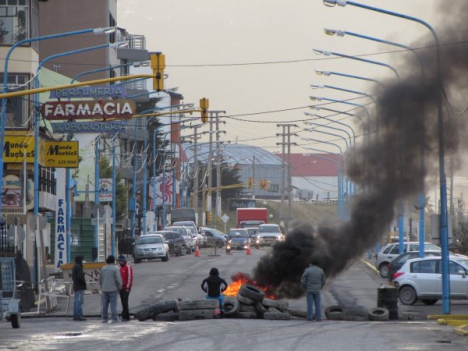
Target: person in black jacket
[
  {"x": 79, "y": 286},
  {"x": 214, "y": 285}
]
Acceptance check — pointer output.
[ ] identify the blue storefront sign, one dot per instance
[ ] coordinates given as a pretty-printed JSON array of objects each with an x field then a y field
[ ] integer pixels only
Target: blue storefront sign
[
  {"x": 90, "y": 127},
  {"x": 90, "y": 92}
]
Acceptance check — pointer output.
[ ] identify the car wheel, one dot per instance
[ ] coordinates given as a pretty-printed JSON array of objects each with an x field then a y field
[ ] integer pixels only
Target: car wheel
[
  {"x": 165, "y": 258},
  {"x": 407, "y": 295},
  {"x": 383, "y": 270},
  {"x": 15, "y": 320},
  {"x": 161, "y": 307},
  {"x": 429, "y": 302}
]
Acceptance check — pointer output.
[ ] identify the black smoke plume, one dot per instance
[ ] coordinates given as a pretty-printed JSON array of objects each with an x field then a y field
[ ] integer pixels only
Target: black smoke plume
[{"x": 387, "y": 169}]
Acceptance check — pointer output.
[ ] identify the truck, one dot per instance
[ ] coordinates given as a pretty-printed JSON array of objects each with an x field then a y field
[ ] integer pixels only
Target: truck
[
  {"x": 183, "y": 214},
  {"x": 251, "y": 217}
]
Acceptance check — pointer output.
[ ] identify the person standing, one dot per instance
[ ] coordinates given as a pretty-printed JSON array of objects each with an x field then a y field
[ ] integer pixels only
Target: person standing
[
  {"x": 214, "y": 285},
  {"x": 126, "y": 273},
  {"x": 111, "y": 283},
  {"x": 79, "y": 286},
  {"x": 313, "y": 279}
]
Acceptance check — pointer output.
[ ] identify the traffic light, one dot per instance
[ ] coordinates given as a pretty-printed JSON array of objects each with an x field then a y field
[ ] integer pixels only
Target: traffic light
[
  {"x": 265, "y": 184},
  {"x": 209, "y": 217},
  {"x": 204, "y": 104},
  {"x": 158, "y": 63},
  {"x": 250, "y": 182},
  {"x": 260, "y": 184}
]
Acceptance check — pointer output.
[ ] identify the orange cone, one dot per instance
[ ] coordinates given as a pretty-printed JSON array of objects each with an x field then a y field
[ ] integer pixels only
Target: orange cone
[
  {"x": 197, "y": 252},
  {"x": 248, "y": 252}
]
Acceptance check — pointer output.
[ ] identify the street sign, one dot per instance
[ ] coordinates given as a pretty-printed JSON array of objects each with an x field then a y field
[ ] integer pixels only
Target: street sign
[
  {"x": 99, "y": 210},
  {"x": 37, "y": 222},
  {"x": 225, "y": 218}
]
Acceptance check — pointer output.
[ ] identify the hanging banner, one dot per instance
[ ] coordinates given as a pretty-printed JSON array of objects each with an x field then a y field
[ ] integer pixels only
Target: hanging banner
[
  {"x": 105, "y": 189},
  {"x": 18, "y": 194},
  {"x": 164, "y": 185},
  {"x": 61, "y": 222}
]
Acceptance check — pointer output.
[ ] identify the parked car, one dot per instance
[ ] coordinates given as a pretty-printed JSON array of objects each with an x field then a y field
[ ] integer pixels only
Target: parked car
[
  {"x": 239, "y": 239},
  {"x": 186, "y": 234},
  {"x": 176, "y": 242},
  {"x": 150, "y": 246},
  {"x": 420, "y": 279},
  {"x": 269, "y": 234},
  {"x": 214, "y": 236},
  {"x": 400, "y": 260},
  {"x": 390, "y": 251},
  {"x": 200, "y": 239}
]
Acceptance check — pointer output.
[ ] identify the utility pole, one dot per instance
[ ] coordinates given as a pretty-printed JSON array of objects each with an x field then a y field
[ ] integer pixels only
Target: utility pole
[
  {"x": 218, "y": 168},
  {"x": 253, "y": 177},
  {"x": 286, "y": 134}
]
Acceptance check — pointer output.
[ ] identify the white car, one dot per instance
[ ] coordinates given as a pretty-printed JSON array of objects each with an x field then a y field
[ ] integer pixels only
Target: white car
[
  {"x": 269, "y": 233},
  {"x": 421, "y": 279},
  {"x": 391, "y": 251}
]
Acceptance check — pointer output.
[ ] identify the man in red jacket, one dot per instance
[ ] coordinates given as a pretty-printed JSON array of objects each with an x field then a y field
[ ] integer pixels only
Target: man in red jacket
[{"x": 126, "y": 272}]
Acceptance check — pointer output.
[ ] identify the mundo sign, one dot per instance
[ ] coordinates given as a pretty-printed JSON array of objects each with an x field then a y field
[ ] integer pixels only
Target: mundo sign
[{"x": 91, "y": 109}]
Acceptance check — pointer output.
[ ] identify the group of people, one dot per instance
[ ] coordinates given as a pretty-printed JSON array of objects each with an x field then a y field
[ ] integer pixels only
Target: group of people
[{"x": 114, "y": 282}]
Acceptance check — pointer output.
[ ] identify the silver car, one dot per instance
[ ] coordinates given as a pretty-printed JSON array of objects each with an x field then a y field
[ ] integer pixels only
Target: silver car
[
  {"x": 269, "y": 234},
  {"x": 391, "y": 251},
  {"x": 150, "y": 246},
  {"x": 186, "y": 233},
  {"x": 421, "y": 279}
]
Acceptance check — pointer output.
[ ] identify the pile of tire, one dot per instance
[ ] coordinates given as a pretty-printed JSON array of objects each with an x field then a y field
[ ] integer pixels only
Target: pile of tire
[
  {"x": 338, "y": 313},
  {"x": 250, "y": 303},
  {"x": 166, "y": 310}
]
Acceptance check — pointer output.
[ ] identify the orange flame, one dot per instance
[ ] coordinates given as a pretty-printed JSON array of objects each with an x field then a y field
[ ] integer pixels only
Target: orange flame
[{"x": 240, "y": 279}]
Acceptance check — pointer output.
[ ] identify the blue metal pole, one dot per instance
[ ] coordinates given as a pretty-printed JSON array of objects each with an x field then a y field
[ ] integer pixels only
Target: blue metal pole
[
  {"x": 401, "y": 227},
  {"x": 97, "y": 177},
  {"x": 145, "y": 177},
  {"x": 68, "y": 201},
  {"x": 133, "y": 199},
  {"x": 114, "y": 196},
  {"x": 155, "y": 225}
]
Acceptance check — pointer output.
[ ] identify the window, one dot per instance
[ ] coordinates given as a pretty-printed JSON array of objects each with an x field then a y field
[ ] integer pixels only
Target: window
[
  {"x": 387, "y": 250},
  {"x": 17, "y": 108},
  {"x": 274, "y": 188},
  {"x": 428, "y": 266},
  {"x": 395, "y": 250},
  {"x": 14, "y": 21},
  {"x": 455, "y": 268}
]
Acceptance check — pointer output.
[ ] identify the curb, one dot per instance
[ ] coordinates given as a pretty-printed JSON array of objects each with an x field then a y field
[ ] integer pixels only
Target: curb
[
  {"x": 462, "y": 330},
  {"x": 370, "y": 266},
  {"x": 448, "y": 316}
]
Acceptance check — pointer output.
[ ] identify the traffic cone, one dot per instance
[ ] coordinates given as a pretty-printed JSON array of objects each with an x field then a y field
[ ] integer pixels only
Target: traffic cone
[
  {"x": 248, "y": 252},
  {"x": 197, "y": 252}
]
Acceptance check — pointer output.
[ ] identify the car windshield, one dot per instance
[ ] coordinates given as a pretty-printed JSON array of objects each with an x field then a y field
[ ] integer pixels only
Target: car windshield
[
  {"x": 269, "y": 229},
  {"x": 216, "y": 232},
  {"x": 150, "y": 240},
  {"x": 238, "y": 233}
]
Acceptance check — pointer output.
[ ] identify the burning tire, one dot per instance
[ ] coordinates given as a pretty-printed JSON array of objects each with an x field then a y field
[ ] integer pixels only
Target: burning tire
[
  {"x": 152, "y": 310},
  {"x": 189, "y": 315},
  {"x": 282, "y": 305},
  {"x": 334, "y": 313},
  {"x": 231, "y": 306},
  {"x": 355, "y": 314},
  {"x": 247, "y": 308},
  {"x": 198, "y": 305},
  {"x": 244, "y": 300},
  {"x": 166, "y": 317},
  {"x": 378, "y": 314},
  {"x": 252, "y": 292}
]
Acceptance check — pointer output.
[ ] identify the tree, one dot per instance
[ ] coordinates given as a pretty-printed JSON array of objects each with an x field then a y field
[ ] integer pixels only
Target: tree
[{"x": 121, "y": 191}]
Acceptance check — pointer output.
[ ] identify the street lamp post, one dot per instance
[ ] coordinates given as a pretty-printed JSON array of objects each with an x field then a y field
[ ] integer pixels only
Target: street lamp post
[
  {"x": 330, "y": 53},
  {"x": 5, "y": 81},
  {"x": 351, "y": 140},
  {"x": 329, "y": 73},
  {"x": 443, "y": 225}
]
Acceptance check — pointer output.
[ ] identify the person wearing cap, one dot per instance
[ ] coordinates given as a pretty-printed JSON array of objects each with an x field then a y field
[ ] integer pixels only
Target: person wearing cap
[
  {"x": 79, "y": 287},
  {"x": 126, "y": 273},
  {"x": 111, "y": 283}
]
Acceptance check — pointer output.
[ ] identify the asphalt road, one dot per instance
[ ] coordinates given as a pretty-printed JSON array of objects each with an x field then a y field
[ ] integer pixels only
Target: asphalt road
[{"x": 181, "y": 277}]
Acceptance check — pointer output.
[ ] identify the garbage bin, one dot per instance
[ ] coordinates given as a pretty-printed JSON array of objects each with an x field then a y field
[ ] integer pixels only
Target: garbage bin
[{"x": 387, "y": 296}]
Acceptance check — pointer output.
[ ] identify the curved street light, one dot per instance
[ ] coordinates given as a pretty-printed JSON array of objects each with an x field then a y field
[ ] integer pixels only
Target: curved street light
[
  {"x": 443, "y": 225},
  {"x": 329, "y": 73},
  {"x": 330, "y": 53}
]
